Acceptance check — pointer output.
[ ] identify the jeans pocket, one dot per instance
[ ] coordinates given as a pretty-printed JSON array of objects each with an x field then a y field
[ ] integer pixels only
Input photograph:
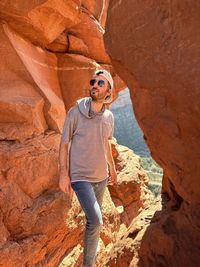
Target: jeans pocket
[{"x": 75, "y": 186}]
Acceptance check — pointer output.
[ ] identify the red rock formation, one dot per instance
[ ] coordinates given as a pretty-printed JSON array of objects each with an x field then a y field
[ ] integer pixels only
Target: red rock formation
[
  {"x": 130, "y": 194},
  {"x": 155, "y": 49},
  {"x": 49, "y": 50},
  {"x": 124, "y": 251},
  {"x": 33, "y": 210}
]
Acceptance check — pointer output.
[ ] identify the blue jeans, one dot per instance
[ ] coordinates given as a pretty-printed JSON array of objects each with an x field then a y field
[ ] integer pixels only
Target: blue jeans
[{"x": 90, "y": 196}]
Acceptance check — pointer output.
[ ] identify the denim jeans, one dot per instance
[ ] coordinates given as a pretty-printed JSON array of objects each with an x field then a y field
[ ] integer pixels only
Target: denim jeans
[{"x": 90, "y": 196}]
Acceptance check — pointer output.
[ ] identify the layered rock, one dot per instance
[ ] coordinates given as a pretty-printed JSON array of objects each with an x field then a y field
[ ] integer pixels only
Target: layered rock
[
  {"x": 33, "y": 210},
  {"x": 155, "y": 49}
]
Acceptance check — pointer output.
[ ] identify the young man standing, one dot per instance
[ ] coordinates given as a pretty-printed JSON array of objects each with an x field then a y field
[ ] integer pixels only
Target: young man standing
[{"x": 86, "y": 157}]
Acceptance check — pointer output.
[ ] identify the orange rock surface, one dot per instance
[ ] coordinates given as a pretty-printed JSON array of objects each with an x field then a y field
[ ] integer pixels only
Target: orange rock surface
[{"x": 156, "y": 49}]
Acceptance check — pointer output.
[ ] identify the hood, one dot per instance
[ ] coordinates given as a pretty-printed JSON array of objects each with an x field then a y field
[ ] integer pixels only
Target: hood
[{"x": 84, "y": 107}]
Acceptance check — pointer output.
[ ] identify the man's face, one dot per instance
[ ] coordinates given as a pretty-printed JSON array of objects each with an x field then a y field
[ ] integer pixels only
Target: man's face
[{"x": 99, "y": 88}]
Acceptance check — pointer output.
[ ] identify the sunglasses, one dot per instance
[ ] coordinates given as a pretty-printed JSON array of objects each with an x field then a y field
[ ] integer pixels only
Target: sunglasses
[{"x": 100, "y": 83}]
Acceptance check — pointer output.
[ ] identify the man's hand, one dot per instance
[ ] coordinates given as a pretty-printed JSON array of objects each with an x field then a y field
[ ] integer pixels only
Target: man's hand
[
  {"x": 113, "y": 176},
  {"x": 65, "y": 183}
]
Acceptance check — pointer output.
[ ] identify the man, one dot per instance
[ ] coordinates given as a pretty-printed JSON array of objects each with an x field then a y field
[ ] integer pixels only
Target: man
[{"x": 85, "y": 153}]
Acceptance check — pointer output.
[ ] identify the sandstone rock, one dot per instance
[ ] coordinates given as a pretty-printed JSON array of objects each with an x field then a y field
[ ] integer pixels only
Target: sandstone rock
[
  {"x": 40, "y": 21},
  {"x": 60, "y": 44},
  {"x": 130, "y": 193},
  {"x": 103, "y": 16},
  {"x": 53, "y": 17},
  {"x": 21, "y": 112},
  {"x": 32, "y": 206},
  {"x": 155, "y": 49},
  {"x": 162, "y": 96},
  {"x": 125, "y": 249},
  {"x": 43, "y": 68},
  {"x": 91, "y": 32},
  {"x": 77, "y": 46},
  {"x": 94, "y": 7},
  {"x": 98, "y": 9},
  {"x": 21, "y": 117}
]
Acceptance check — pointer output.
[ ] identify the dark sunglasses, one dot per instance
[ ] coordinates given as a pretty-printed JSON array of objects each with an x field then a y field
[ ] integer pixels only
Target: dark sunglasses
[{"x": 100, "y": 83}]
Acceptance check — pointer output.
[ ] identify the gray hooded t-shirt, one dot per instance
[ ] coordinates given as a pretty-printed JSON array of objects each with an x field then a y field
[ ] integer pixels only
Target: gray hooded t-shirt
[{"x": 88, "y": 133}]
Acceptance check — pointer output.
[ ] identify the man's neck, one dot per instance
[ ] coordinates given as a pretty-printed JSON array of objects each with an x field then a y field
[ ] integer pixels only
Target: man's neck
[{"x": 96, "y": 106}]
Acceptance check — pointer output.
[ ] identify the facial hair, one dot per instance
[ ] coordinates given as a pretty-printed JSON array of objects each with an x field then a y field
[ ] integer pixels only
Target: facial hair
[{"x": 99, "y": 96}]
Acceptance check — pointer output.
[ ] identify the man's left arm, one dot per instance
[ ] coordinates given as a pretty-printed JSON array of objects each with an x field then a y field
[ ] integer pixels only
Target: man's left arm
[{"x": 110, "y": 160}]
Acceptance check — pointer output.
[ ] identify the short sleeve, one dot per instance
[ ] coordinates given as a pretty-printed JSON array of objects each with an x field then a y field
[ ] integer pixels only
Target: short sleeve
[
  {"x": 68, "y": 128},
  {"x": 112, "y": 127}
]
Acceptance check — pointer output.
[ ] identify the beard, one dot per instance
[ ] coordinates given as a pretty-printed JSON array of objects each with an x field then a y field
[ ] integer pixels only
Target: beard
[{"x": 97, "y": 96}]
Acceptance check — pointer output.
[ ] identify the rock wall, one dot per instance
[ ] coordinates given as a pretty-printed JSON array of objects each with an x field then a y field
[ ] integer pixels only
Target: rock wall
[{"x": 155, "y": 48}]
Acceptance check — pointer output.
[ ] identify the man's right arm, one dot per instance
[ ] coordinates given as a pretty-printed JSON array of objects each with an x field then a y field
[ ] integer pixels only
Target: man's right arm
[{"x": 64, "y": 178}]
